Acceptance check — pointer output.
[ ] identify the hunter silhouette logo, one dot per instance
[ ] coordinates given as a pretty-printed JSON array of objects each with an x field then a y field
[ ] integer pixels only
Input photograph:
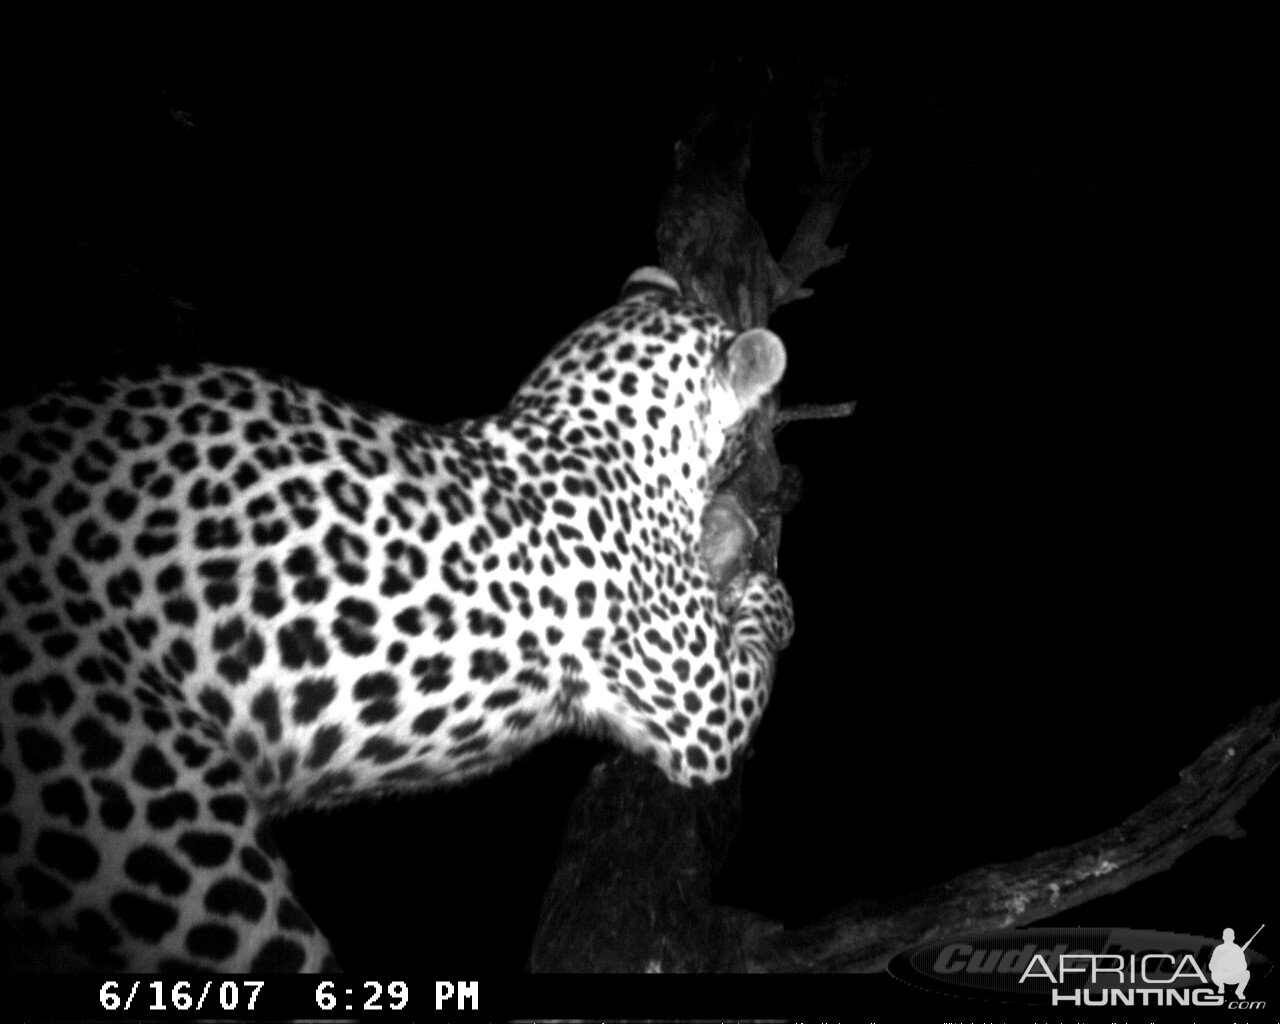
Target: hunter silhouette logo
[{"x": 1227, "y": 965}]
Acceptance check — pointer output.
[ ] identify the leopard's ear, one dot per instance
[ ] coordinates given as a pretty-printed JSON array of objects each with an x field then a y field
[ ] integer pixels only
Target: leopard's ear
[
  {"x": 755, "y": 362},
  {"x": 647, "y": 279}
]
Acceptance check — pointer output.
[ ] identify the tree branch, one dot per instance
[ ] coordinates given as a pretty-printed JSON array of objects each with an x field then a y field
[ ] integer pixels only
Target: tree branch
[
  {"x": 807, "y": 252},
  {"x": 808, "y": 411},
  {"x": 864, "y": 936}
]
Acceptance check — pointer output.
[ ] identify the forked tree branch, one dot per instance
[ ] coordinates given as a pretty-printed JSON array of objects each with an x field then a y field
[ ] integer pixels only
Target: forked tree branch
[{"x": 808, "y": 252}]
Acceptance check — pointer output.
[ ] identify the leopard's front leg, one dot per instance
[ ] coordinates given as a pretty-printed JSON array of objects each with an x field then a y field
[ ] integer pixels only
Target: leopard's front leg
[{"x": 761, "y": 625}]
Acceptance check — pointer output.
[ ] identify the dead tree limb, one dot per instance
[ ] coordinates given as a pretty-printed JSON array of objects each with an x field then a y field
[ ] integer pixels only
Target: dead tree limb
[
  {"x": 1204, "y": 803},
  {"x": 792, "y": 413}
]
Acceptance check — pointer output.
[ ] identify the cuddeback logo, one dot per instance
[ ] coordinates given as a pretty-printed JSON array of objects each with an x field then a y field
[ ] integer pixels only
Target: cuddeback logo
[{"x": 1090, "y": 967}]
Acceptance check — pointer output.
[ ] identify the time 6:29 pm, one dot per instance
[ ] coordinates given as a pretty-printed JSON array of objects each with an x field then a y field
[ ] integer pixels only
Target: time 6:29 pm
[{"x": 332, "y": 996}]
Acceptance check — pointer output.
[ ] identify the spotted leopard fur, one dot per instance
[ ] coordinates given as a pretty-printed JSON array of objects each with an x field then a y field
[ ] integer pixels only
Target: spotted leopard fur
[{"x": 224, "y": 593}]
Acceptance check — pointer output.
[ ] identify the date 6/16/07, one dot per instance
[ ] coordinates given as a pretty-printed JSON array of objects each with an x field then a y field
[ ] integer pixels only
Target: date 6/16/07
[{"x": 179, "y": 995}]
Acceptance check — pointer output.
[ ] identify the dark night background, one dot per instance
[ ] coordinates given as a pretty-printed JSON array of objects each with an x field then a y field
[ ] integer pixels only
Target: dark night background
[{"x": 1027, "y": 573}]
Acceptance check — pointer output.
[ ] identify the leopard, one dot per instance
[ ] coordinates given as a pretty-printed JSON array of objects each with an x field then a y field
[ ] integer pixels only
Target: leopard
[{"x": 226, "y": 595}]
